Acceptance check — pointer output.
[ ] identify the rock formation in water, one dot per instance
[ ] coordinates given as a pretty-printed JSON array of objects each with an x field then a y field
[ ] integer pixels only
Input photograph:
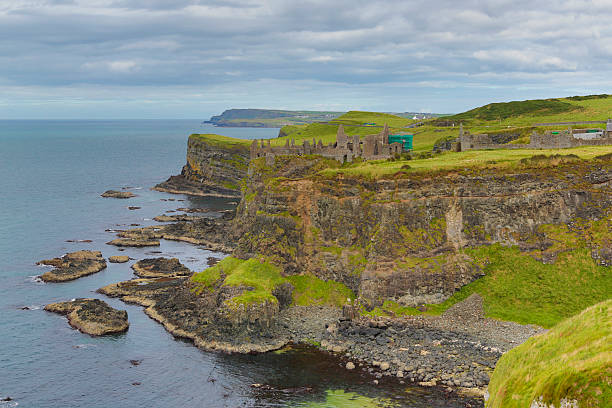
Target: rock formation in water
[
  {"x": 118, "y": 194},
  {"x": 160, "y": 268},
  {"x": 92, "y": 316},
  {"x": 73, "y": 266}
]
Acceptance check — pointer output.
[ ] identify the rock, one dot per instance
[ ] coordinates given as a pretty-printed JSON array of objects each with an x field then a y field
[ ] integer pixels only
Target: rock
[
  {"x": 92, "y": 316},
  {"x": 135, "y": 362},
  {"x": 175, "y": 218},
  {"x": 400, "y": 374},
  {"x": 128, "y": 242},
  {"x": 73, "y": 265},
  {"x": 118, "y": 258},
  {"x": 350, "y": 365},
  {"x": 159, "y": 268},
  {"x": 133, "y": 207},
  {"x": 384, "y": 366},
  {"x": 118, "y": 194}
]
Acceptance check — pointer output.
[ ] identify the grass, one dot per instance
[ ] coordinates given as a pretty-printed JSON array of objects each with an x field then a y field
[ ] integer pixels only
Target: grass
[
  {"x": 472, "y": 159},
  {"x": 380, "y": 119},
  {"x": 524, "y": 113},
  {"x": 519, "y": 288},
  {"x": 310, "y": 290},
  {"x": 218, "y": 140},
  {"x": 573, "y": 360},
  {"x": 262, "y": 277}
]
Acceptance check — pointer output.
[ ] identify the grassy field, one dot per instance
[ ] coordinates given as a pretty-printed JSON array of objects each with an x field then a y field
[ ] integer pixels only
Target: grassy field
[
  {"x": 514, "y": 117},
  {"x": 473, "y": 159},
  {"x": 263, "y": 277},
  {"x": 380, "y": 119},
  {"x": 573, "y": 360},
  {"x": 222, "y": 141}
]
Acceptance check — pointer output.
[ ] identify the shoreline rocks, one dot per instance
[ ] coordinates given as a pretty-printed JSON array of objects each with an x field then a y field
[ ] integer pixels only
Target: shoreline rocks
[
  {"x": 117, "y": 194},
  {"x": 73, "y": 265},
  {"x": 160, "y": 268},
  {"x": 92, "y": 316}
]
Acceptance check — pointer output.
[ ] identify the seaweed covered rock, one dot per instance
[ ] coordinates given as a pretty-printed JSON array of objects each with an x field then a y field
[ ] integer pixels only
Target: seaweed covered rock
[
  {"x": 73, "y": 266},
  {"x": 160, "y": 267},
  {"x": 92, "y": 316}
]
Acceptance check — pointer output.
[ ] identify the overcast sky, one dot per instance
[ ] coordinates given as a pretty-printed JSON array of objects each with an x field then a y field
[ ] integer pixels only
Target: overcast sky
[{"x": 192, "y": 59}]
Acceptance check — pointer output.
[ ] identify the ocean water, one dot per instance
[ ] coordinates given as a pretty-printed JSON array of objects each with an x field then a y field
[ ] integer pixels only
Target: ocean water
[{"x": 51, "y": 176}]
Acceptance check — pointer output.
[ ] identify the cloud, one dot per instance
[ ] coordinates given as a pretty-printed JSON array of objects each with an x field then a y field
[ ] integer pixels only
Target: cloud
[{"x": 443, "y": 53}]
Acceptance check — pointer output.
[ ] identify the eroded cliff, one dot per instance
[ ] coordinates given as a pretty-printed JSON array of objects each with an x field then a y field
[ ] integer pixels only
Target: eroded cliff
[{"x": 216, "y": 166}]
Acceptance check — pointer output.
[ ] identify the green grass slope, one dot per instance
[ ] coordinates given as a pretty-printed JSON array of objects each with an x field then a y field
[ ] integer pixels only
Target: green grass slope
[
  {"x": 263, "y": 277},
  {"x": 521, "y": 113},
  {"x": 572, "y": 361}
]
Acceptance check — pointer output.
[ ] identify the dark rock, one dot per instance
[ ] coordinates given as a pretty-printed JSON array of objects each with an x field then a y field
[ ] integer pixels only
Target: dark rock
[
  {"x": 159, "y": 268},
  {"x": 92, "y": 316}
]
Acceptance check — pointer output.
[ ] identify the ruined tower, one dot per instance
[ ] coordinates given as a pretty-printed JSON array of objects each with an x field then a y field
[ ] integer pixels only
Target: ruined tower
[{"x": 341, "y": 138}]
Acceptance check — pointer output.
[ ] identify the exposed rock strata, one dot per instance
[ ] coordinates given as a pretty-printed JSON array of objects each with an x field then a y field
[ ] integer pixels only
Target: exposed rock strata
[
  {"x": 118, "y": 194},
  {"x": 92, "y": 316},
  {"x": 160, "y": 268},
  {"x": 73, "y": 266},
  {"x": 213, "y": 169}
]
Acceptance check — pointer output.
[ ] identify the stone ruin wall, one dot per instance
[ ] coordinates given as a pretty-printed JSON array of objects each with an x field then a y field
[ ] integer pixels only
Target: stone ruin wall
[
  {"x": 345, "y": 149},
  {"x": 547, "y": 140}
]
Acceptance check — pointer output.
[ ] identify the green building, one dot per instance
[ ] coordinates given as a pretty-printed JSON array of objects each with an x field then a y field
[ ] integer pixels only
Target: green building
[{"x": 405, "y": 140}]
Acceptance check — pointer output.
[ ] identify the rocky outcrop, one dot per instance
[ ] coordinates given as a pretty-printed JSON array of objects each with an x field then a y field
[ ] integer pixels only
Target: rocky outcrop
[
  {"x": 204, "y": 317},
  {"x": 215, "y": 167},
  {"x": 73, "y": 266},
  {"x": 118, "y": 194},
  {"x": 92, "y": 316},
  {"x": 160, "y": 268}
]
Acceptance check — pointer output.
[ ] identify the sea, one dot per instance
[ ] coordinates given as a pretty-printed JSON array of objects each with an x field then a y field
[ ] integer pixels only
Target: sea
[{"x": 52, "y": 173}]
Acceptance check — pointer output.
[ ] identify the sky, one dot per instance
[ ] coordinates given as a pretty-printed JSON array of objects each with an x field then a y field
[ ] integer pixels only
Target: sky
[{"x": 195, "y": 58}]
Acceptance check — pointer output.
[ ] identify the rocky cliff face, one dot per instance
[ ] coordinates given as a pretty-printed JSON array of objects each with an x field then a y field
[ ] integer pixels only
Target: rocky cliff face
[
  {"x": 404, "y": 238},
  {"x": 214, "y": 168}
]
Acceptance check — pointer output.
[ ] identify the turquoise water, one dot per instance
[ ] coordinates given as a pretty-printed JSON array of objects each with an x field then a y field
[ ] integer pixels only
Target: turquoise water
[{"x": 51, "y": 176}]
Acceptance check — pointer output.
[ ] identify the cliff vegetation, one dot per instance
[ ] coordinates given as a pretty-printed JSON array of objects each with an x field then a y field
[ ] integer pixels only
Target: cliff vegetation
[{"x": 572, "y": 361}]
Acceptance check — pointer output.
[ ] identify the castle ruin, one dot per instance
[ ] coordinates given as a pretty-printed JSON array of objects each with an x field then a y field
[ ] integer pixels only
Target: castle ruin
[
  {"x": 547, "y": 140},
  {"x": 345, "y": 149}
]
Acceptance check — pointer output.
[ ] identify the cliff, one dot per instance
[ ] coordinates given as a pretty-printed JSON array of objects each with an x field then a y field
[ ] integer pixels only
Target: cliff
[
  {"x": 417, "y": 238},
  {"x": 216, "y": 166}
]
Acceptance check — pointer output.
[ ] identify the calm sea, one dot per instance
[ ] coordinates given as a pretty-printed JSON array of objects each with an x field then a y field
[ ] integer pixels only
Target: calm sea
[{"x": 51, "y": 176}]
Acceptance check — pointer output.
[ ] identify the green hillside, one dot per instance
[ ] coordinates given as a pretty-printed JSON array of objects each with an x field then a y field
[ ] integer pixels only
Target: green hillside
[
  {"x": 573, "y": 361},
  {"x": 522, "y": 113}
]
